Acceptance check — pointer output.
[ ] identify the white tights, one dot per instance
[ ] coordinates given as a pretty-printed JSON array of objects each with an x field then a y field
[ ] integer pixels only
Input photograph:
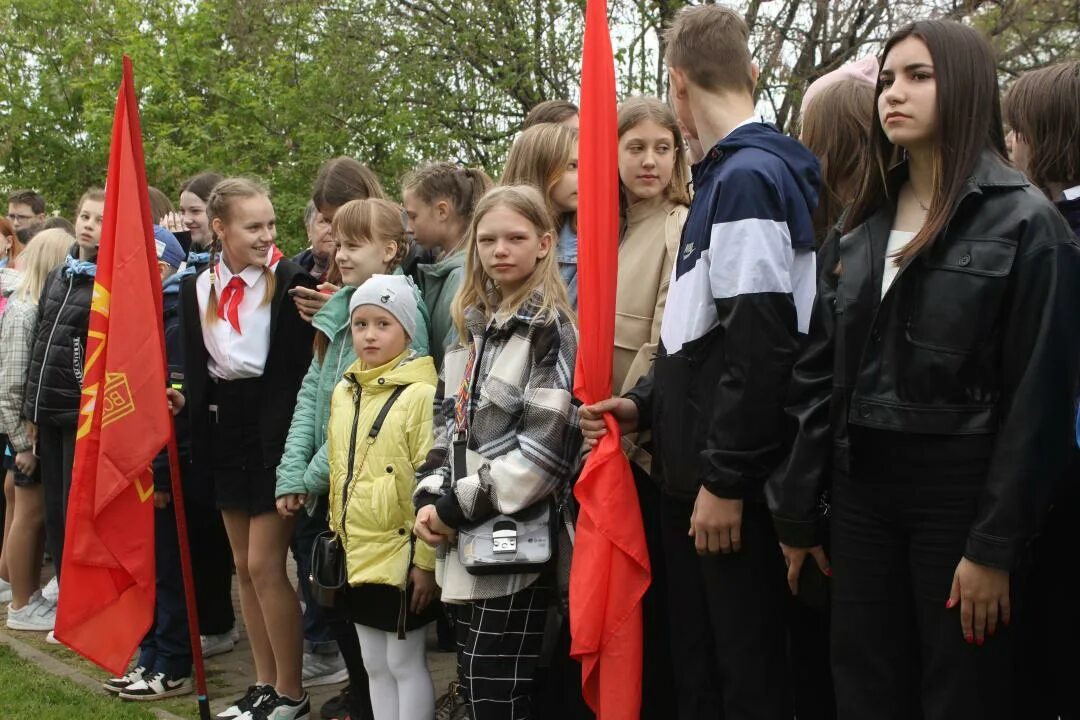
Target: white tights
[{"x": 398, "y": 677}]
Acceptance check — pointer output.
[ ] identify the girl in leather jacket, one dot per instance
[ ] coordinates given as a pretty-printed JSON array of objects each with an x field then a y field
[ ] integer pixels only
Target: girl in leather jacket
[{"x": 929, "y": 398}]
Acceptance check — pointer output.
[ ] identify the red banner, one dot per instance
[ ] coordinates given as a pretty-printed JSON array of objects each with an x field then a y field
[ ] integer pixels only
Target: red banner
[
  {"x": 610, "y": 571},
  {"x": 107, "y": 584}
]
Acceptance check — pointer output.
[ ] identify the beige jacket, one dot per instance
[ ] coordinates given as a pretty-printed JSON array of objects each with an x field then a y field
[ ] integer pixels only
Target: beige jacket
[{"x": 650, "y": 244}]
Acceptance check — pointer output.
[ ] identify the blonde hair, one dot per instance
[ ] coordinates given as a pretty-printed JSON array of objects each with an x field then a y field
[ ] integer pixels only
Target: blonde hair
[
  {"x": 373, "y": 220},
  {"x": 637, "y": 110},
  {"x": 479, "y": 290},
  {"x": 709, "y": 44},
  {"x": 219, "y": 207},
  {"x": 40, "y": 258},
  {"x": 539, "y": 158}
]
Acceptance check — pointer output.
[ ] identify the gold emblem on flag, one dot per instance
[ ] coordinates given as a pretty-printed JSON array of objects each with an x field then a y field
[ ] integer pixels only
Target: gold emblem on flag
[{"x": 117, "y": 399}]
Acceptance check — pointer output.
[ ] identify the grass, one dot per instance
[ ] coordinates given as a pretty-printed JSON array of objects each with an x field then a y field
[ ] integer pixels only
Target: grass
[
  {"x": 185, "y": 706},
  {"x": 28, "y": 692}
]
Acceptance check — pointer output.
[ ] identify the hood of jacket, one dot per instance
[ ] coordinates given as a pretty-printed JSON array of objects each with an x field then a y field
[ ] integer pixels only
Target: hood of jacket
[
  {"x": 443, "y": 267},
  {"x": 763, "y": 136}
]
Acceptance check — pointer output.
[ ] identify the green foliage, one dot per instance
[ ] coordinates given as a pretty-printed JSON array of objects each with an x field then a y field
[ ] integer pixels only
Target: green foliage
[{"x": 272, "y": 88}]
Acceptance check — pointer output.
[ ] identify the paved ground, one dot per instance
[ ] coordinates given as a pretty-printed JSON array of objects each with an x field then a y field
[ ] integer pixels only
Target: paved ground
[{"x": 228, "y": 675}]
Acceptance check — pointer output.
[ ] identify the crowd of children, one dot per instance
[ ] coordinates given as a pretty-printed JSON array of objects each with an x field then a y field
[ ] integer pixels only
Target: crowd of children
[{"x": 844, "y": 371}]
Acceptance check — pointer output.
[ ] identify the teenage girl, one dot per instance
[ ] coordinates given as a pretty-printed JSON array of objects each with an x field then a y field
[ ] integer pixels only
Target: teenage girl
[
  {"x": 654, "y": 176},
  {"x": 373, "y": 463},
  {"x": 28, "y": 610},
  {"x": 439, "y": 199},
  {"x": 936, "y": 393},
  {"x": 339, "y": 181},
  {"x": 247, "y": 349},
  {"x": 837, "y": 113},
  {"x": 1041, "y": 111},
  {"x": 546, "y": 157},
  {"x": 509, "y": 388},
  {"x": 194, "y": 195},
  {"x": 54, "y": 382}
]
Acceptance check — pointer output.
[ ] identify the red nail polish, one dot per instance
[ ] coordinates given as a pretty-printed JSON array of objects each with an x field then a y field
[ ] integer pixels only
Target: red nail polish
[
  {"x": 949, "y": 604},
  {"x": 968, "y": 639},
  {"x": 980, "y": 641},
  {"x": 828, "y": 572}
]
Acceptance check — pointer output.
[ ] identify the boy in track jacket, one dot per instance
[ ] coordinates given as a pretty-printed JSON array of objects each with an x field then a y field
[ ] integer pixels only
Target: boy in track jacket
[{"x": 740, "y": 297}]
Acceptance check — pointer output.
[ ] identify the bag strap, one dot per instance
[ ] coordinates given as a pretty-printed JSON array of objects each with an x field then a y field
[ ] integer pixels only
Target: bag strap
[{"x": 372, "y": 434}]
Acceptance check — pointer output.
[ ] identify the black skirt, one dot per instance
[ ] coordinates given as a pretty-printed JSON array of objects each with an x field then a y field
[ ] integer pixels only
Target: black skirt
[
  {"x": 386, "y": 608},
  {"x": 242, "y": 480}
]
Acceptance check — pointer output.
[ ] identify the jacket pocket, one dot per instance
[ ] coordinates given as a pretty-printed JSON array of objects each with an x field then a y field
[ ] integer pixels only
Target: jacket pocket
[
  {"x": 385, "y": 501},
  {"x": 959, "y": 292}
]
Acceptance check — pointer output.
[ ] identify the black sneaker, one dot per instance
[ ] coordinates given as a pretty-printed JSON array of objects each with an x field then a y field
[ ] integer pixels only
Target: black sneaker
[
  {"x": 280, "y": 707},
  {"x": 117, "y": 684},
  {"x": 157, "y": 686},
  {"x": 337, "y": 707},
  {"x": 256, "y": 694}
]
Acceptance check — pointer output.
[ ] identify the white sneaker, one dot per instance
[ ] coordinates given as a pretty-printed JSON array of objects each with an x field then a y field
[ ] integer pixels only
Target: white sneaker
[
  {"x": 51, "y": 592},
  {"x": 324, "y": 669},
  {"x": 216, "y": 644},
  {"x": 5, "y": 591},
  {"x": 38, "y": 615},
  {"x": 235, "y": 633},
  {"x": 156, "y": 687},
  {"x": 51, "y": 639},
  {"x": 117, "y": 684}
]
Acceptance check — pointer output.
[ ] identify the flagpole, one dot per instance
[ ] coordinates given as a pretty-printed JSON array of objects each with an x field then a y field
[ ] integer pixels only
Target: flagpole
[
  {"x": 174, "y": 455},
  {"x": 189, "y": 579}
]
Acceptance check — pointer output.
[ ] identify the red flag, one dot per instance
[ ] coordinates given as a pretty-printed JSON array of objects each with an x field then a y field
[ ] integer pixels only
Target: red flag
[
  {"x": 610, "y": 571},
  {"x": 107, "y": 589}
]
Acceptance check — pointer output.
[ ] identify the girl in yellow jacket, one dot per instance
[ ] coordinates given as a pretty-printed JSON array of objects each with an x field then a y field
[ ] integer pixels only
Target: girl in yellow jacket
[{"x": 372, "y": 476}]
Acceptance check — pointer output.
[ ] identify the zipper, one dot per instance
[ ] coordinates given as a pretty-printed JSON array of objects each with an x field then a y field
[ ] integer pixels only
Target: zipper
[
  {"x": 352, "y": 459},
  {"x": 48, "y": 345}
]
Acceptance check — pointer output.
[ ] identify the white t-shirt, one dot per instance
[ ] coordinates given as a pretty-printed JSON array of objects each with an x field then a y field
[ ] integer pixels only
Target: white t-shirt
[
  {"x": 236, "y": 355},
  {"x": 897, "y": 240}
]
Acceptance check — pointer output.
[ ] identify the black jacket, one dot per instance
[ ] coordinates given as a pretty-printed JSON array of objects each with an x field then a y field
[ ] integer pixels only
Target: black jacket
[
  {"x": 287, "y": 362},
  {"x": 976, "y": 337},
  {"x": 54, "y": 379}
]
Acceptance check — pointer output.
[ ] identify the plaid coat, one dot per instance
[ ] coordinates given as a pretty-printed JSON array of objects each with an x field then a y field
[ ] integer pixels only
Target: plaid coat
[
  {"x": 523, "y": 428},
  {"x": 16, "y": 338}
]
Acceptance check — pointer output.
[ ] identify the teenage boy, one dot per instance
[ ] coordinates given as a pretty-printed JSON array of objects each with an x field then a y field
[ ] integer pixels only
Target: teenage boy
[{"x": 740, "y": 296}]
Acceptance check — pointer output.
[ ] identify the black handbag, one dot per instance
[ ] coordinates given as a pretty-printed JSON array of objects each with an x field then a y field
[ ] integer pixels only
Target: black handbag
[{"x": 328, "y": 572}]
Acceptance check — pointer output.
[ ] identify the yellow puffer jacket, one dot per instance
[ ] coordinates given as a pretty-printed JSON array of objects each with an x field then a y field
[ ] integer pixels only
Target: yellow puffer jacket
[{"x": 377, "y": 532}]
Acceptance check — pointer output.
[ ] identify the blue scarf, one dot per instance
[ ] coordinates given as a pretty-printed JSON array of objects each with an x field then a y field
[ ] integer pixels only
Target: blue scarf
[
  {"x": 73, "y": 267},
  {"x": 198, "y": 258}
]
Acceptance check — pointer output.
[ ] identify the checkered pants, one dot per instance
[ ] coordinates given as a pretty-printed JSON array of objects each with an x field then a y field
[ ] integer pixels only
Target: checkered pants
[{"x": 499, "y": 643}]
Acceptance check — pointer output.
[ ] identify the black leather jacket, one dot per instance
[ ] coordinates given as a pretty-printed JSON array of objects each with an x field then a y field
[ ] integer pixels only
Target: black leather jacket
[{"x": 976, "y": 336}]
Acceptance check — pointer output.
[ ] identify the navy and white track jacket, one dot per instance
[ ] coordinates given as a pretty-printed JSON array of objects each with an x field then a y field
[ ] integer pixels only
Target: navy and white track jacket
[{"x": 740, "y": 299}]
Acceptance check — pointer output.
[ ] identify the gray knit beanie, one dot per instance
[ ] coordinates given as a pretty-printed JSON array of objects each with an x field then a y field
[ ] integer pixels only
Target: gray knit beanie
[{"x": 392, "y": 293}]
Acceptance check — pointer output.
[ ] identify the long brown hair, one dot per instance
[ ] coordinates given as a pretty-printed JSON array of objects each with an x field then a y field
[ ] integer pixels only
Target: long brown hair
[
  {"x": 461, "y": 186},
  {"x": 539, "y": 158},
  {"x": 343, "y": 179},
  {"x": 636, "y": 110},
  {"x": 219, "y": 206},
  {"x": 836, "y": 127},
  {"x": 968, "y": 123},
  {"x": 479, "y": 290},
  {"x": 1041, "y": 107}
]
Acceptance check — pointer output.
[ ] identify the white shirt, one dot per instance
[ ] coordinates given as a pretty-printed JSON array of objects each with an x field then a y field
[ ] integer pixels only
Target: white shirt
[
  {"x": 897, "y": 240},
  {"x": 1072, "y": 193},
  {"x": 234, "y": 355}
]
